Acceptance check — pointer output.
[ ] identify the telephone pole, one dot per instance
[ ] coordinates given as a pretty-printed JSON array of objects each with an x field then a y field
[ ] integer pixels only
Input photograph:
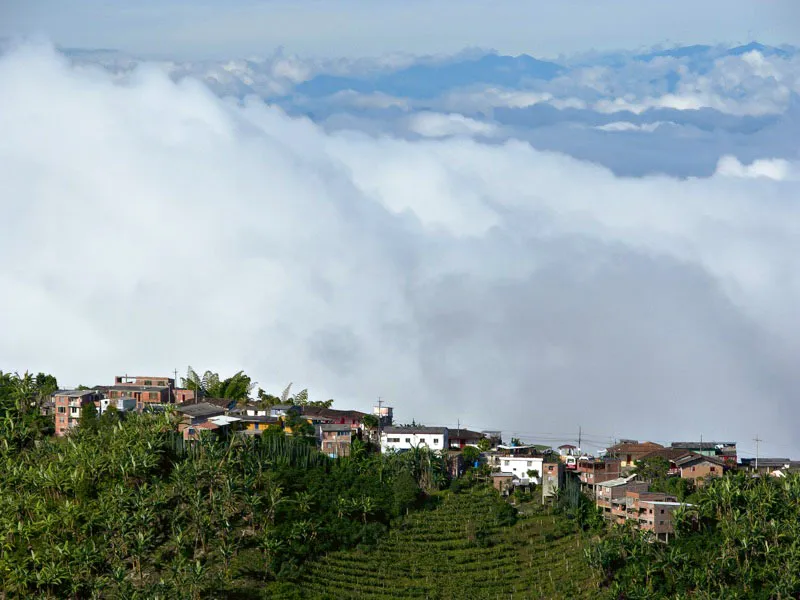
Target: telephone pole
[
  {"x": 380, "y": 420},
  {"x": 757, "y": 440},
  {"x": 579, "y": 441}
]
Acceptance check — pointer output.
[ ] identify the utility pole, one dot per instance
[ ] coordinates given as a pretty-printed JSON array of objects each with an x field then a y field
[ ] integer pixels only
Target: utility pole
[
  {"x": 380, "y": 420},
  {"x": 579, "y": 440},
  {"x": 757, "y": 440}
]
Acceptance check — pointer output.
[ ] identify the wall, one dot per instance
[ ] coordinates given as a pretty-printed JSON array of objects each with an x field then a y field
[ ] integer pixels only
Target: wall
[{"x": 408, "y": 440}]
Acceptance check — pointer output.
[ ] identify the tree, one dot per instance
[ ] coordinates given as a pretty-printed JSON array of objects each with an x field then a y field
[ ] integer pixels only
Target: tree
[
  {"x": 88, "y": 419},
  {"x": 516, "y": 442},
  {"x": 471, "y": 455},
  {"x": 484, "y": 445},
  {"x": 652, "y": 468},
  {"x": 237, "y": 387}
]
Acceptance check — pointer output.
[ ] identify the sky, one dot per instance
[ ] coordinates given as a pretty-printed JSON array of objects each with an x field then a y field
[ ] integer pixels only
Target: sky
[
  {"x": 355, "y": 28},
  {"x": 610, "y": 240}
]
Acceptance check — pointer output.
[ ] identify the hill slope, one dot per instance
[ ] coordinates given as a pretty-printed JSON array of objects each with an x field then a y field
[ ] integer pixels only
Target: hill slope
[{"x": 464, "y": 548}]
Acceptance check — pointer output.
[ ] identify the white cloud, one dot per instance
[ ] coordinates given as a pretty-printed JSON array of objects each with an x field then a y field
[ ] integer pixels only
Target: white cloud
[
  {"x": 618, "y": 126},
  {"x": 777, "y": 169},
  {"x": 436, "y": 125},
  {"x": 149, "y": 225}
]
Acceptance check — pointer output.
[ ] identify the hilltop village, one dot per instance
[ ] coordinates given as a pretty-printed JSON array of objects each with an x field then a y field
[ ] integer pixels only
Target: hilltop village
[{"x": 632, "y": 481}]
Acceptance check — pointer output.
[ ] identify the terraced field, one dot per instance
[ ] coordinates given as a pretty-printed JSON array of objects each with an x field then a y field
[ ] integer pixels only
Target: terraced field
[{"x": 460, "y": 550}]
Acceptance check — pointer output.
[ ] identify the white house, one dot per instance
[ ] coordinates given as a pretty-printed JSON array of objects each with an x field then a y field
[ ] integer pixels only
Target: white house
[
  {"x": 406, "y": 438},
  {"x": 121, "y": 404},
  {"x": 520, "y": 465}
]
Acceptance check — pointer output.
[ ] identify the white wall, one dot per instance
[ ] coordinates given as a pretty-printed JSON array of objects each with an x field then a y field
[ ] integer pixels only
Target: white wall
[
  {"x": 407, "y": 440},
  {"x": 520, "y": 465}
]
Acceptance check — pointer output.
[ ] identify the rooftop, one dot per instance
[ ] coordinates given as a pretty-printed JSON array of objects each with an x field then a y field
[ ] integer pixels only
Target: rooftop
[
  {"x": 701, "y": 445},
  {"x": 327, "y": 427},
  {"x": 74, "y": 393},
  {"x": 441, "y": 430},
  {"x": 332, "y": 413},
  {"x": 201, "y": 409},
  {"x": 690, "y": 458},
  {"x": 136, "y": 388}
]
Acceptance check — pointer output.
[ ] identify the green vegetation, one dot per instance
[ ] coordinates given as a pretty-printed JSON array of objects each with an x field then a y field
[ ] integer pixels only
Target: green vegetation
[
  {"x": 655, "y": 471},
  {"x": 740, "y": 539},
  {"x": 465, "y": 545},
  {"x": 127, "y": 509}
]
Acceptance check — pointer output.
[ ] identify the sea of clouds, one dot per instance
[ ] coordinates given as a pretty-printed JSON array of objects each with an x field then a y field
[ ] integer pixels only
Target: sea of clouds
[{"x": 612, "y": 242}]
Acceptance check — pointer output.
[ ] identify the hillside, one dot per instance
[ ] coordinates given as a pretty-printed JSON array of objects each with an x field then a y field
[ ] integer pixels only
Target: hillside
[{"x": 466, "y": 547}]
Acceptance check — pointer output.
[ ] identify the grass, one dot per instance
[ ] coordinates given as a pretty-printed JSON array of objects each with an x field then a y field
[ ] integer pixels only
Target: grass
[{"x": 459, "y": 550}]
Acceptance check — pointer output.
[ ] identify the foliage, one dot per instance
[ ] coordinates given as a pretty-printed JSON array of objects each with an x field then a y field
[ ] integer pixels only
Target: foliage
[
  {"x": 650, "y": 469},
  {"x": 470, "y": 455},
  {"x": 128, "y": 509},
  {"x": 467, "y": 545},
  {"x": 739, "y": 539},
  {"x": 484, "y": 445},
  {"x": 237, "y": 387},
  {"x": 577, "y": 507},
  {"x": 21, "y": 397}
]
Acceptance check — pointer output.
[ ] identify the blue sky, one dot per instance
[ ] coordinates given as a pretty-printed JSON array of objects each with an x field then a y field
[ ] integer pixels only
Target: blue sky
[{"x": 202, "y": 29}]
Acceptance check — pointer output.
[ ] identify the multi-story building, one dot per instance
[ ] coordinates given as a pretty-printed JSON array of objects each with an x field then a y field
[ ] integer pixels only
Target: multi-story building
[
  {"x": 67, "y": 406},
  {"x": 144, "y": 390},
  {"x": 553, "y": 479},
  {"x": 520, "y": 465},
  {"x": 351, "y": 418},
  {"x": 406, "y": 438},
  {"x": 461, "y": 438},
  {"x": 335, "y": 439},
  {"x": 593, "y": 471}
]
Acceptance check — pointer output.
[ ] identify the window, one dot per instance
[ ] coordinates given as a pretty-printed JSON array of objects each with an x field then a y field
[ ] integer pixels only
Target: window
[
  {"x": 408, "y": 440},
  {"x": 693, "y": 468},
  {"x": 256, "y": 426},
  {"x": 435, "y": 440},
  {"x": 662, "y": 511},
  {"x": 162, "y": 383},
  {"x": 530, "y": 463},
  {"x": 73, "y": 410},
  {"x": 661, "y": 522},
  {"x": 153, "y": 395},
  {"x": 148, "y": 382},
  {"x": 505, "y": 463},
  {"x": 62, "y": 409},
  {"x": 393, "y": 440},
  {"x": 713, "y": 469}
]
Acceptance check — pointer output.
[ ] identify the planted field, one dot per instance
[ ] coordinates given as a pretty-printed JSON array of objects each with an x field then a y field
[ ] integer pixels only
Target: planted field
[{"x": 461, "y": 549}]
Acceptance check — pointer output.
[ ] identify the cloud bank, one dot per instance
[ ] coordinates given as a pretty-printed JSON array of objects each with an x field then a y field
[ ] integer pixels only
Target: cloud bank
[{"x": 148, "y": 224}]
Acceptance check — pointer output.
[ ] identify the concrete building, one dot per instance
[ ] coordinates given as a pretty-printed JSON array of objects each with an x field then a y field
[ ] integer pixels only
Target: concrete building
[
  {"x": 145, "y": 390},
  {"x": 520, "y": 465},
  {"x": 461, "y": 438},
  {"x": 122, "y": 405},
  {"x": 335, "y": 439},
  {"x": 67, "y": 406},
  {"x": 700, "y": 468},
  {"x": 406, "y": 438},
  {"x": 594, "y": 471},
  {"x": 197, "y": 417},
  {"x": 351, "y": 418},
  {"x": 553, "y": 479}
]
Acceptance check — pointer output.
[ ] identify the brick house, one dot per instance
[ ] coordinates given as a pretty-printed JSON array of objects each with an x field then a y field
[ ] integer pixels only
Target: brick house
[
  {"x": 351, "y": 418},
  {"x": 724, "y": 451},
  {"x": 67, "y": 406},
  {"x": 699, "y": 468},
  {"x": 335, "y": 439},
  {"x": 196, "y": 417},
  {"x": 144, "y": 390}
]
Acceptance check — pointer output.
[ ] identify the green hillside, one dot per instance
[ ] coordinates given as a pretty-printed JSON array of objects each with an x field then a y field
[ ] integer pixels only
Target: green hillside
[{"x": 467, "y": 547}]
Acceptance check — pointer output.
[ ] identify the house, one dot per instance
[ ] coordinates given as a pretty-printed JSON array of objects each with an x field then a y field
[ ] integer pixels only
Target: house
[
  {"x": 520, "y": 465},
  {"x": 671, "y": 455},
  {"x": 256, "y": 424},
  {"x": 194, "y": 415},
  {"x": 122, "y": 405},
  {"x": 553, "y": 478},
  {"x": 193, "y": 432},
  {"x": 725, "y": 451},
  {"x": 503, "y": 482},
  {"x": 629, "y": 451},
  {"x": 67, "y": 405},
  {"x": 143, "y": 390},
  {"x": 495, "y": 437},
  {"x": 594, "y": 471},
  {"x": 651, "y": 511},
  {"x": 351, "y": 418},
  {"x": 283, "y": 410},
  {"x": 461, "y": 438},
  {"x": 335, "y": 439},
  {"x": 406, "y": 438},
  {"x": 765, "y": 465},
  {"x": 182, "y": 395},
  {"x": 568, "y": 450},
  {"x": 611, "y": 496},
  {"x": 698, "y": 467}
]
